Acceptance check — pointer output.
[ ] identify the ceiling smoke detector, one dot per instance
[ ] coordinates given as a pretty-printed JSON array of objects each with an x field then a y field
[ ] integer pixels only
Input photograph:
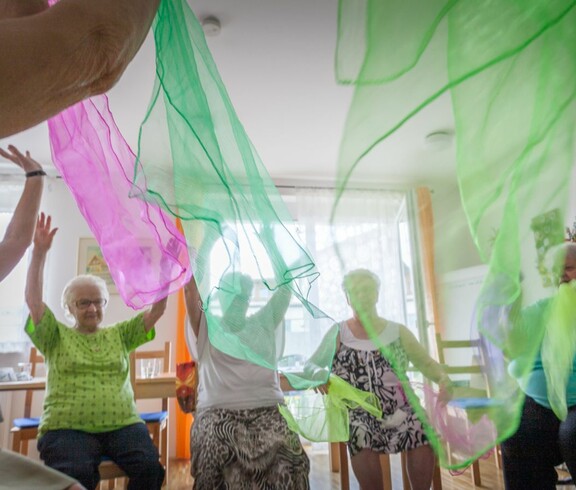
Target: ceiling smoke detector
[
  {"x": 211, "y": 26},
  {"x": 439, "y": 140}
]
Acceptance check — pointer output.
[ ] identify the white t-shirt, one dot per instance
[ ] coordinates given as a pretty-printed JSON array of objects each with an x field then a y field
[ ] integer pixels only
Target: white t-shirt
[{"x": 228, "y": 382}]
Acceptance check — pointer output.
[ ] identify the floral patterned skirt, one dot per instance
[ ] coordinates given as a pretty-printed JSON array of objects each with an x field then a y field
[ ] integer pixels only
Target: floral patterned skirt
[
  {"x": 371, "y": 371},
  {"x": 246, "y": 449}
]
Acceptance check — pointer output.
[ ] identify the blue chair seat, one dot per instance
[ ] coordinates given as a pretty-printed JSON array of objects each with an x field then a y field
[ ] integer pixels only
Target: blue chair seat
[
  {"x": 152, "y": 417},
  {"x": 467, "y": 403},
  {"x": 26, "y": 423}
]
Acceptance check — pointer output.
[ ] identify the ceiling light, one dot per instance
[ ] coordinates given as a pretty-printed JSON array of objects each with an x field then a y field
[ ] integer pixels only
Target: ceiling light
[
  {"x": 211, "y": 26},
  {"x": 439, "y": 140}
]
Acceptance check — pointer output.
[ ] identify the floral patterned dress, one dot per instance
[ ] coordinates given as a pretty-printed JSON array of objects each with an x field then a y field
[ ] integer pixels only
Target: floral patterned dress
[{"x": 399, "y": 429}]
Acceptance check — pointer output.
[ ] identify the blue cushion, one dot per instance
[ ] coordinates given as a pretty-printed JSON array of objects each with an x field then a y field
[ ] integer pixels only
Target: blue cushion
[
  {"x": 27, "y": 423},
  {"x": 466, "y": 403},
  {"x": 151, "y": 417}
]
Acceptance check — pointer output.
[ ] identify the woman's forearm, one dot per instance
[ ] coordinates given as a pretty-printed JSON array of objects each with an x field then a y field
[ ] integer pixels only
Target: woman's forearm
[
  {"x": 35, "y": 285},
  {"x": 193, "y": 305},
  {"x": 76, "y": 49},
  {"x": 420, "y": 358},
  {"x": 154, "y": 314}
]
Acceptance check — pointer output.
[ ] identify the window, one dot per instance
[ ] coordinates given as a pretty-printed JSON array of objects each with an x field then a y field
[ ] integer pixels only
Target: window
[
  {"x": 13, "y": 310},
  {"x": 372, "y": 232}
]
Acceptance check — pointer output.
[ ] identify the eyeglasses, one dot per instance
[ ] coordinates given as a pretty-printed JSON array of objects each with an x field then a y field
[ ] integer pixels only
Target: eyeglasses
[{"x": 83, "y": 304}]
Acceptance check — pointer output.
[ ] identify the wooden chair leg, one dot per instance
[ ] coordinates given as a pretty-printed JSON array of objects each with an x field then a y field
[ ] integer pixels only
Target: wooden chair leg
[
  {"x": 476, "y": 474},
  {"x": 164, "y": 456},
  {"x": 386, "y": 471},
  {"x": 334, "y": 454},
  {"x": 343, "y": 465},
  {"x": 437, "y": 478},
  {"x": 16, "y": 441},
  {"x": 498, "y": 457},
  {"x": 405, "y": 479}
]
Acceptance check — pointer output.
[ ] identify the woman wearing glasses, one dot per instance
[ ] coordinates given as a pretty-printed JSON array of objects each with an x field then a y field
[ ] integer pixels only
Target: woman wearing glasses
[{"x": 89, "y": 410}]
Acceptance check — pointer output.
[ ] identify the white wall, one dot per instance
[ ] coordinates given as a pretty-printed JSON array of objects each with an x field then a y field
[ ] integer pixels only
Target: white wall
[
  {"x": 453, "y": 244},
  {"x": 60, "y": 268}
]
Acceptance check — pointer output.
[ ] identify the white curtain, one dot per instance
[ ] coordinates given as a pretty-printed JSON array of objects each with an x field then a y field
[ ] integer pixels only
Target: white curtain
[
  {"x": 12, "y": 308},
  {"x": 367, "y": 235}
]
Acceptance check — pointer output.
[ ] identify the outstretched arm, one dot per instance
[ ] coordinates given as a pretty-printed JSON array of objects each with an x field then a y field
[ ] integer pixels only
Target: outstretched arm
[
  {"x": 154, "y": 313},
  {"x": 193, "y": 305},
  {"x": 43, "y": 237},
  {"x": 73, "y": 50},
  {"x": 20, "y": 230},
  {"x": 422, "y": 360},
  {"x": 158, "y": 308}
]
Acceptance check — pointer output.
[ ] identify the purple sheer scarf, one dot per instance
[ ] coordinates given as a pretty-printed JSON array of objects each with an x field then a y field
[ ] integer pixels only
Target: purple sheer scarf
[{"x": 145, "y": 252}]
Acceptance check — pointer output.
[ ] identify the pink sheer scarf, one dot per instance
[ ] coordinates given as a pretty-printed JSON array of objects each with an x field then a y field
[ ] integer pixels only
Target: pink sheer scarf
[{"x": 145, "y": 252}]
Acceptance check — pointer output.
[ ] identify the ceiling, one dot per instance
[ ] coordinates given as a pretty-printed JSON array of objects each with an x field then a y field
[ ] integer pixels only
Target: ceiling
[{"x": 276, "y": 58}]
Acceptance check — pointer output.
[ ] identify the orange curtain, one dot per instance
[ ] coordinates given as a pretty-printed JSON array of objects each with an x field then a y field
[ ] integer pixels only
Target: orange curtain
[
  {"x": 183, "y": 420},
  {"x": 426, "y": 229}
]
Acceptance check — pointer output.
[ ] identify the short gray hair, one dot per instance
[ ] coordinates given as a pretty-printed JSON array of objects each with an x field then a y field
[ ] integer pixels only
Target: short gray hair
[
  {"x": 360, "y": 275},
  {"x": 81, "y": 280}
]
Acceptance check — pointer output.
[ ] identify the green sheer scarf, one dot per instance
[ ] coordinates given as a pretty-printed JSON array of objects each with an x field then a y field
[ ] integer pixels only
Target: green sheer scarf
[
  {"x": 248, "y": 262},
  {"x": 509, "y": 69}
]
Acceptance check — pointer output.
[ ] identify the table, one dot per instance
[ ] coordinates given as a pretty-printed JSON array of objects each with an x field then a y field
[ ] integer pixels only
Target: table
[
  {"x": 34, "y": 384},
  {"x": 161, "y": 386}
]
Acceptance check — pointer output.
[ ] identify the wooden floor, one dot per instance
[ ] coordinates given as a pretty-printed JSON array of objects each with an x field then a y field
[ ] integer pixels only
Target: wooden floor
[{"x": 322, "y": 479}]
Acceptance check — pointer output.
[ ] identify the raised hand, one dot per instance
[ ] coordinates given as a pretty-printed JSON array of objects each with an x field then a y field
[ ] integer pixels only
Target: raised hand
[
  {"x": 44, "y": 233},
  {"x": 25, "y": 162}
]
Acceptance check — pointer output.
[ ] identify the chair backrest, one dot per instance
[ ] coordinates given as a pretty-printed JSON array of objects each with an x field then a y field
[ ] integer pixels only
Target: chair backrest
[
  {"x": 442, "y": 345},
  {"x": 35, "y": 359},
  {"x": 476, "y": 382},
  {"x": 161, "y": 354}
]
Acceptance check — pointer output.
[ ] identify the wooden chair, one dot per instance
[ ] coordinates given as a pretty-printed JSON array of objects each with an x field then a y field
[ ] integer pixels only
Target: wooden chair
[
  {"x": 342, "y": 451},
  {"x": 110, "y": 472},
  {"x": 25, "y": 429},
  {"x": 157, "y": 422},
  {"x": 471, "y": 369}
]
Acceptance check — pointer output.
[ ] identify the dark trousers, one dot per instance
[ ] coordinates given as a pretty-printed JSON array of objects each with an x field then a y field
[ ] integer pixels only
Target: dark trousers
[
  {"x": 541, "y": 442},
  {"x": 78, "y": 454}
]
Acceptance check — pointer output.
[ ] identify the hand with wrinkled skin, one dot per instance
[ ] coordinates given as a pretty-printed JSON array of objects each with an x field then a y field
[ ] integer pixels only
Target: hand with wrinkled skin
[
  {"x": 52, "y": 58},
  {"x": 24, "y": 161}
]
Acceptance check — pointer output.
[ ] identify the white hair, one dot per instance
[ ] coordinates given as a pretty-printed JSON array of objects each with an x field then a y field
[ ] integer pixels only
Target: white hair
[
  {"x": 81, "y": 280},
  {"x": 360, "y": 276}
]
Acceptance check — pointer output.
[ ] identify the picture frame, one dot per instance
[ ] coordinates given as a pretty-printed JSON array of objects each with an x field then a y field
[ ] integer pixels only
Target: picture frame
[
  {"x": 548, "y": 232},
  {"x": 91, "y": 261}
]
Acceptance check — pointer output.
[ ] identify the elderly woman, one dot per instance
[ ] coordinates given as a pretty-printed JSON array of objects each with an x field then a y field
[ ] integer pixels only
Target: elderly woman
[
  {"x": 360, "y": 362},
  {"x": 542, "y": 440},
  {"x": 89, "y": 409},
  {"x": 239, "y": 439}
]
